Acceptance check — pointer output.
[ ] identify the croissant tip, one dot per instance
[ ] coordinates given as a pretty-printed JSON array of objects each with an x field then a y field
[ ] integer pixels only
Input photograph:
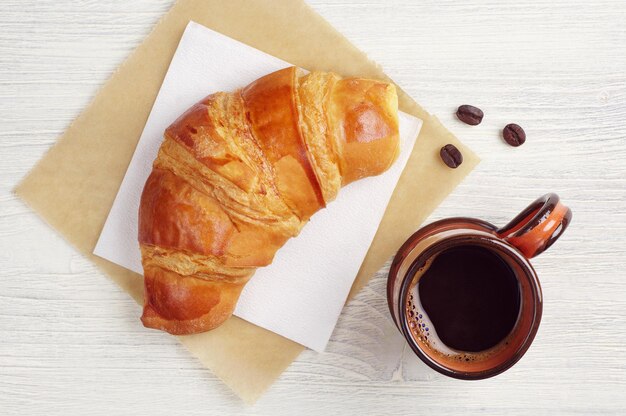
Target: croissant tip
[{"x": 151, "y": 319}]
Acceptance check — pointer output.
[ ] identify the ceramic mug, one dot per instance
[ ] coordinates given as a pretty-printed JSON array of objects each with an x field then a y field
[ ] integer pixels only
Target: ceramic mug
[{"x": 530, "y": 233}]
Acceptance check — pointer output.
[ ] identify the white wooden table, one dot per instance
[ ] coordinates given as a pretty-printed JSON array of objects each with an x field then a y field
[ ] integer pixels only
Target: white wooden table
[{"x": 70, "y": 340}]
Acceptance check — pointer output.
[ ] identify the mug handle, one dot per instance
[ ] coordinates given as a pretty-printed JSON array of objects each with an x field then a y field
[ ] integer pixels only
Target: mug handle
[{"x": 538, "y": 226}]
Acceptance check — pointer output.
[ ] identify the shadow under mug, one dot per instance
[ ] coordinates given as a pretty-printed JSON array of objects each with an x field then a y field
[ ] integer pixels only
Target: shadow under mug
[{"x": 530, "y": 233}]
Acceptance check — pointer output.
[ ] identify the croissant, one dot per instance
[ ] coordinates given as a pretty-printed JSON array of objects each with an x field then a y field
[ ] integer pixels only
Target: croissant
[{"x": 240, "y": 173}]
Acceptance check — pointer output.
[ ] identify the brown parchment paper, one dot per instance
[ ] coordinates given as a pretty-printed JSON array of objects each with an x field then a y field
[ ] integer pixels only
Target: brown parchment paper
[{"x": 74, "y": 185}]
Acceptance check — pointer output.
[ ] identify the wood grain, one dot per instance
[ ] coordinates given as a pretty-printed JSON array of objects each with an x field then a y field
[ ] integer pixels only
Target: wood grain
[{"x": 70, "y": 340}]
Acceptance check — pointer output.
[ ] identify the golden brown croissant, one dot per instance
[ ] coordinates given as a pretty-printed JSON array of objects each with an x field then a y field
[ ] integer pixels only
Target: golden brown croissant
[{"x": 240, "y": 173}]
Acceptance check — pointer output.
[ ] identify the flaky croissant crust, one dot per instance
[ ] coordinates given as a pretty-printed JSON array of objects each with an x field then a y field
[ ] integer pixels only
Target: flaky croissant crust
[{"x": 240, "y": 173}]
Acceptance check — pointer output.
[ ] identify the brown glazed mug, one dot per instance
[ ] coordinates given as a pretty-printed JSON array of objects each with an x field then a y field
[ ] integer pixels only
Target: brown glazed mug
[{"x": 530, "y": 233}]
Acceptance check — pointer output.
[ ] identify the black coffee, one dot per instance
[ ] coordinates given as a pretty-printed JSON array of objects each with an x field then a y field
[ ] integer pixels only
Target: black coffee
[{"x": 471, "y": 297}]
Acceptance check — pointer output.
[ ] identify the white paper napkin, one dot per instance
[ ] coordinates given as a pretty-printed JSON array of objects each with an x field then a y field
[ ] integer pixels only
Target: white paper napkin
[{"x": 301, "y": 294}]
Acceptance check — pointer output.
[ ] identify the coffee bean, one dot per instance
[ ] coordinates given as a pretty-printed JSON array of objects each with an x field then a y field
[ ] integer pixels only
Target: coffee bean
[
  {"x": 470, "y": 115},
  {"x": 514, "y": 135},
  {"x": 451, "y": 156}
]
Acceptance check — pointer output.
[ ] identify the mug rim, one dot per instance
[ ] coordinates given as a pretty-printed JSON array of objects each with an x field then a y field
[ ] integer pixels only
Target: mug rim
[{"x": 493, "y": 243}]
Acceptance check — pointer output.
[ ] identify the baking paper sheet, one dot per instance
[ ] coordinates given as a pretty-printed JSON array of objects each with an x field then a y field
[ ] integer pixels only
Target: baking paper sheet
[{"x": 74, "y": 185}]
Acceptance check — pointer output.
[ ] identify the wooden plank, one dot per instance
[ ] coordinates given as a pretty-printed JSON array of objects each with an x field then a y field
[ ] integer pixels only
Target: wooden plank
[{"x": 70, "y": 339}]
